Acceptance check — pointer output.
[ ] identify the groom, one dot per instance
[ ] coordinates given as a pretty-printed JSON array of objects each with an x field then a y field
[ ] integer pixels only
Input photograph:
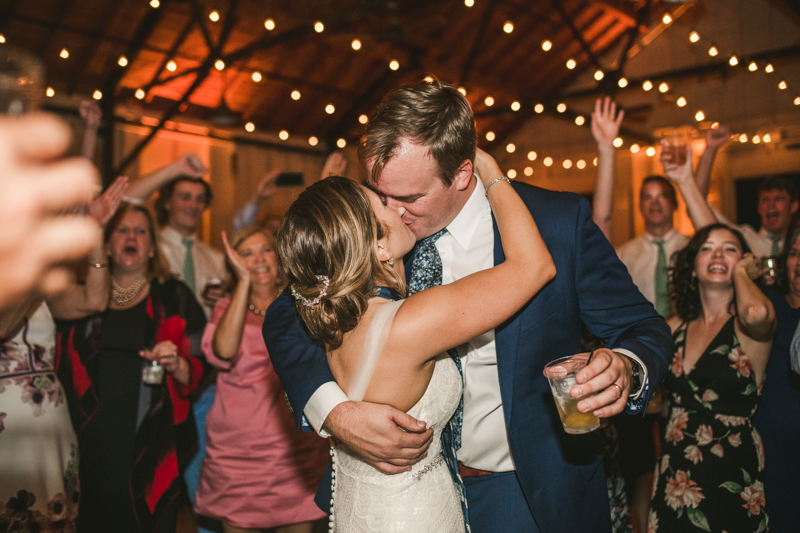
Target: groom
[{"x": 522, "y": 472}]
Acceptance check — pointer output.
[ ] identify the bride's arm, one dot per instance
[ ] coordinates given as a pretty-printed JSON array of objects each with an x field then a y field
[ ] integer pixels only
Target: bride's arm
[{"x": 442, "y": 317}]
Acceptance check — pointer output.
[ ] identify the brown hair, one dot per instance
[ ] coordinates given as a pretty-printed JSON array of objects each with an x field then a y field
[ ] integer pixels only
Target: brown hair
[
  {"x": 655, "y": 178},
  {"x": 242, "y": 235},
  {"x": 165, "y": 193},
  {"x": 331, "y": 230},
  {"x": 156, "y": 267},
  {"x": 432, "y": 114}
]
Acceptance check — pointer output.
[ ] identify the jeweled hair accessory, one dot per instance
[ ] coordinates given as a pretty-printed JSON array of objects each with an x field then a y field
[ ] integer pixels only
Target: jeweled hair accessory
[{"x": 315, "y": 301}]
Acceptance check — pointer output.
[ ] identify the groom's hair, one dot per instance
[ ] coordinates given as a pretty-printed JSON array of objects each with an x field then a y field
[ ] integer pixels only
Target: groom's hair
[{"x": 429, "y": 113}]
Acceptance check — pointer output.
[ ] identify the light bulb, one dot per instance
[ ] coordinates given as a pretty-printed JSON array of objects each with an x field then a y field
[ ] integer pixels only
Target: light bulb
[
  {"x": 490, "y": 136},
  {"x": 532, "y": 156},
  {"x": 510, "y": 147},
  {"x": 623, "y": 82},
  {"x": 313, "y": 141},
  {"x": 538, "y": 108},
  {"x": 546, "y": 45},
  {"x": 356, "y": 44},
  {"x": 283, "y": 135},
  {"x": 647, "y": 85},
  {"x": 579, "y": 120},
  {"x": 548, "y": 161},
  {"x": 256, "y": 76},
  {"x": 489, "y": 101},
  {"x": 269, "y": 24},
  {"x": 515, "y": 106},
  {"x": 341, "y": 143},
  {"x": 571, "y": 64},
  {"x": 250, "y": 127},
  {"x": 617, "y": 142}
]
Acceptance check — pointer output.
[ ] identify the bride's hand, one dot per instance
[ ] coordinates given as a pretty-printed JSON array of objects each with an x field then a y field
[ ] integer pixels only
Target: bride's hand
[{"x": 486, "y": 167}]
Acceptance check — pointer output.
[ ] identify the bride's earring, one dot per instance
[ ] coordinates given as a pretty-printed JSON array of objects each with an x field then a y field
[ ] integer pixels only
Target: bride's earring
[{"x": 390, "y": 261}]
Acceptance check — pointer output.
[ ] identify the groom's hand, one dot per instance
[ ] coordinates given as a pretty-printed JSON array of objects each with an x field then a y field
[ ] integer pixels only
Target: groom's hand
[
  {"x": 373, "y": 432},
  {"x": 609, "y": 375}
]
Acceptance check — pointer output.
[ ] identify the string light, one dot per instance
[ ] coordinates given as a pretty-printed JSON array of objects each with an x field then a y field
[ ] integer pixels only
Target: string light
[
  {"x": 257, "y": 76},
  {"x": 635, "y": 148},
  {"x": 647, "y": 85},
  {"x": 546, "y": 45},
  {"x": 663, "y": 87},
  {"x": 713, "y": 51},
  {"x": 532, "y": 156},
  {"x": 515, "y": 106},
  {"x": 666, "y": 19},
  {"x": 172, "y": 66},
  {"x": 250, "y": 127},
  {"x": 511, "y": 173},
  {"x": 528, "y": 171},
  {"x": 681, "y": 101},
  {"x": 769, "y": 69},
  {"x": 469, "y": 3},
  {"x": 64, "y": 53},
  {"x": 50, "y": 92},
  {"x": 561, "y": 107},
  {"x": 699, "y": 116},
  {"x": 548, "y": 161},
  {"x": 490, "y": 136},
  {"x": 2, "y": 38},
  {"x": 269, "y": 24},
  {"x": 508, "y": 27},
  {"x": 139, "y": 94},
  {"x": 319, "y": 27},
  {"x": 599, "y": 75},
  {"x": 581, "y": 164},
  {"x": 623, "y": 82},
  {"x": 295, "y": 95},
  {"x": 329, "y": 109},
  {"x": 733, "y": 61},
  {"x": 694, "y": 37},
  {"x": 394, "y": 64},
  {"x": 594, "y": 161},
  {"x": 463, "y": 91},
  {"x": 219, "y": 64},
  {"x": 715, "y": 126},
  {"x": 579, "y": 120},
  {"x": 283, "y": 135},
  {"x": 428, "y": 79},
  {"x": 213, "y": 16},
  {"x": 154, "y": 4},
  {"x": 567, "y": 163},
  {"x": 782, "y": 85},
  {"x": 489, "y": 101},
  {"x": 122, "y": 61},
  {"x": 617, "y": 142},
  {"x": 313, "y": 141},
  {"x": 752, "y": 67},
  {"x": 510, "y": 147},
  {"x": 341, "y": 143},
  {"x": 797, "y": 100},
  {"x": 363, "y": 119},
  {"x": 571, "y": 64},
  {"x": 650, "y": 151},
  {"x": 756, "y": 139},
  {"x": 766, "y": 138},
  {"x": 538, "y": 108},
  {"x": 743, "y": 138},
  {"x": 356, "y": 44},
  {"x": 97, "y": 95}
]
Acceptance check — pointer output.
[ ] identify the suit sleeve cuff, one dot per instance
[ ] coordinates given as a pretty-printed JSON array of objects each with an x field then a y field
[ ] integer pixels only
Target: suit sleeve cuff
[
  {"x": 321, "y": 404},
  {"x": 636, "y": 398}
]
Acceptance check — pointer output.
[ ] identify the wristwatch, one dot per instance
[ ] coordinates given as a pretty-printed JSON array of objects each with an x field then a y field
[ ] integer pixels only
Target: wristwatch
[{"x": 636, "y": 377}]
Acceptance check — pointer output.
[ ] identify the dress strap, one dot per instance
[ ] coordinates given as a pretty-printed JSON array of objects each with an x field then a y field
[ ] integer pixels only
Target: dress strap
[{"x": 375, "y": 340}]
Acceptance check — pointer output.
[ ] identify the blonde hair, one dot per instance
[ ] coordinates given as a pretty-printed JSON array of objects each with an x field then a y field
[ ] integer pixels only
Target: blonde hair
[
  {"x": 238, "y": 238},
  {"x": 331, "y": 230}
]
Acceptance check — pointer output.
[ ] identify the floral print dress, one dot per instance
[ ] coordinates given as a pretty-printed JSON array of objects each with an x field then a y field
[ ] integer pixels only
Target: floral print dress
[
  {"x": 38, "y": 448},
  {"x": 710, "y": 476}
]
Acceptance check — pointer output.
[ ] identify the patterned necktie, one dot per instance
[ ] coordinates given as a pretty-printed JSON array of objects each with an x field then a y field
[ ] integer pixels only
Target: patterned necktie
[
  {"x": 663, "y": 306},
  {"x": 188, "y": 264},
  {"x": 776, "y": 244},
  {"x": 426, "y": 272}
]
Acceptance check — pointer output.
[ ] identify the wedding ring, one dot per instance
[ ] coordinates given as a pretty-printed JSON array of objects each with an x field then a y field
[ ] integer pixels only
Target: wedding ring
[{"x": 618, "y": 388}]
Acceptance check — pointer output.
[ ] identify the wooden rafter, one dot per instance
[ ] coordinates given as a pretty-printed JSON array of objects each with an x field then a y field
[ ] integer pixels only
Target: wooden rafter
[
  {"x": 577, "y": 33},
  {"x": 466, "y": 68}
]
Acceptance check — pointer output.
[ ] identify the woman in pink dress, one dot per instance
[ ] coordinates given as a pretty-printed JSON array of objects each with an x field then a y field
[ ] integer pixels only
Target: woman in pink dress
[{"x": 259, "y": 471}]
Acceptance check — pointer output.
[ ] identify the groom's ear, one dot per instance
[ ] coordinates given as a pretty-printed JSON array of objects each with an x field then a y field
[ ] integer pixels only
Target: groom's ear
[{"x": 463, "y": 175}]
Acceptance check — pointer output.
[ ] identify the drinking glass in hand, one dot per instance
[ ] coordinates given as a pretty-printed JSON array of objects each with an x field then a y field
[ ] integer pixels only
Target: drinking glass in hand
[{"x": 561, "y": 375}]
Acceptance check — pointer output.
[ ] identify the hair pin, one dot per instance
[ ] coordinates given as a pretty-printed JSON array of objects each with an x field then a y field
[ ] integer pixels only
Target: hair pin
[{"x": 315, "y": 301}]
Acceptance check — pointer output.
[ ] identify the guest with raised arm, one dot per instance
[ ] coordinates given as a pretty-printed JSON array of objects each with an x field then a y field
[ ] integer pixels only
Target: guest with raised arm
[
  {"x": 92, "y": 115},
  {"x": 605, "y": 127},
  {"x": 716, "y": 138}
]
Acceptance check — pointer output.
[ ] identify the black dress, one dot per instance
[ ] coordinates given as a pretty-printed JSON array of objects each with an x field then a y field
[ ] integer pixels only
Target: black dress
[{"x": 710, "y": 476}]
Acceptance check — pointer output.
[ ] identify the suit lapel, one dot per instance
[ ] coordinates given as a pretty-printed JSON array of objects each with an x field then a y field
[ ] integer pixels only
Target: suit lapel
[{"x": 506, "y": 342}]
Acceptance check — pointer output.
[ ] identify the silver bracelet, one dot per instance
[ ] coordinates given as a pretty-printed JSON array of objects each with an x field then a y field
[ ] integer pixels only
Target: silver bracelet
[{"x": 501, "y": 178}]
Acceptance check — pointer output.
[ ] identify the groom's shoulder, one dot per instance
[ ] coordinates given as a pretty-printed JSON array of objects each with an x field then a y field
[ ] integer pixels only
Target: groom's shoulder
[{"x": 545, "y": 199}]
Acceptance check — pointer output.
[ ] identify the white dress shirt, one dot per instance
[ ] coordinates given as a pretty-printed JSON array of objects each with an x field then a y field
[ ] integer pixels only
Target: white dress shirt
[
  {"x": 760, "y": 242},
  {"x": 640, "y": 256},
  {"x": 209, "y": 263}
]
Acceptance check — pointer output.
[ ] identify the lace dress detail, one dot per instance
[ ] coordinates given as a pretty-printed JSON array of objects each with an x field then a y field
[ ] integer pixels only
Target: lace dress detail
[{"x": 422, "y": 500}]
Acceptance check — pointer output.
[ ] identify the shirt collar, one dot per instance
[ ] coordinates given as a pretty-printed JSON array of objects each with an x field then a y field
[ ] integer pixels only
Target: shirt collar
[
  {"x": 463, "y": 227},
  {"x": 170, "y": 234},
  {"x": 668, "y": 236},
  {"x": 767, "y": 235}
]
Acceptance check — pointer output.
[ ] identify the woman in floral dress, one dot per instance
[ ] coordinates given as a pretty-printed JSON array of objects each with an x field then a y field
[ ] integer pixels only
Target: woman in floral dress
[{"x": 710, "y": 474}]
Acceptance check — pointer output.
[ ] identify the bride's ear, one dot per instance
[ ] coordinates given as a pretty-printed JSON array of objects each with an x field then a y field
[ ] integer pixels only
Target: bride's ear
[{"x": 383, "y": 252}]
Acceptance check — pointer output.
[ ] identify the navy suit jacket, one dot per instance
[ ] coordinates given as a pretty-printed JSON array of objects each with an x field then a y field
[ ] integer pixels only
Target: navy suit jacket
[{"x": 559, "y": 473}]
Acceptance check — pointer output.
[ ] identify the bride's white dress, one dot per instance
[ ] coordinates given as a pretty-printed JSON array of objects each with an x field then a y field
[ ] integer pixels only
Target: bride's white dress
[{"x": 423, "y": 500}]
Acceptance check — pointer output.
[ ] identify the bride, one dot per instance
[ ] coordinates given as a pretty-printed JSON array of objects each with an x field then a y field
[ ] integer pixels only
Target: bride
[{"x": 342, "y": 251}]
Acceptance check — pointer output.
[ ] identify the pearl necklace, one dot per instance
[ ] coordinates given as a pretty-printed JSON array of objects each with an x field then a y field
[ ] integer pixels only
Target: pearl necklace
[
  {"x": 123, "y": 297},
  {"x": 256, "y": 311}
]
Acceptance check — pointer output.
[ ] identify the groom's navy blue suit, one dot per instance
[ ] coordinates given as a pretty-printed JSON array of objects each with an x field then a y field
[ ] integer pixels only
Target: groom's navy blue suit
[{"x": 560, "y": 474}]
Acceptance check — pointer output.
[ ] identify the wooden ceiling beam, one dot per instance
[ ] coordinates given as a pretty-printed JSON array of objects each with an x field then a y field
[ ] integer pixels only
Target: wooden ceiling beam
[
  {"x": 559, "y": 6},
  {"x": 466, "y": 68},
  {"x": 57, "y": 16},
  {"x": 176, "y": 44},
  {"x": 83, "y": 57},
  {"x": 197, "y": 14}
]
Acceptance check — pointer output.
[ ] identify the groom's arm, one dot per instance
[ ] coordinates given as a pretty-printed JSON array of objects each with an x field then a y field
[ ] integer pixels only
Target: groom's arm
[{"x": 382, "y": 435}]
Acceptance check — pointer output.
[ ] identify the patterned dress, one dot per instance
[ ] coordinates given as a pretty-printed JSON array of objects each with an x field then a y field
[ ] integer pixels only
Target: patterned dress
[
  {"x": 710, "y": 474},
  {"x": 38, "y": 448}
]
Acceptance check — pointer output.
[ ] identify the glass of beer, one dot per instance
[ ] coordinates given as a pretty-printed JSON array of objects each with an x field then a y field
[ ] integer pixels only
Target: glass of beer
[{"x": 561, "y": 375}]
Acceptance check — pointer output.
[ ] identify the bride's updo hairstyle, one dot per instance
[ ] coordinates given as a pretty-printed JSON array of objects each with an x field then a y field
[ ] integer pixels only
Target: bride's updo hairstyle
[{"x": 328, "y": 237}]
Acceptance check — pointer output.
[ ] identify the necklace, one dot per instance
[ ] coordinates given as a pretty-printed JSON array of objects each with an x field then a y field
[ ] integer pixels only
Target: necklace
[
  {"x": 123, "y": 297},
  {"x": 256, "y": 311}
]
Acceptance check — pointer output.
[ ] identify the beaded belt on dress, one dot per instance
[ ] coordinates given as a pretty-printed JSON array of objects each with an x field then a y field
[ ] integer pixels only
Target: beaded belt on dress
[{"x": 433, "y": 465}]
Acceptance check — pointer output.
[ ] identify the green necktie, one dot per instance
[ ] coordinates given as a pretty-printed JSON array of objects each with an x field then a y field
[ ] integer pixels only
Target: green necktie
[
  {"x": 663, "y": 306},
  {"x": 776, "y": 244},
  {"x": 188, "y": 264}
]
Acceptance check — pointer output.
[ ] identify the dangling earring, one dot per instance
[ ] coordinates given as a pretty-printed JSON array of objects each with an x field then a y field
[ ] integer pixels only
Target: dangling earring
[{"x": 390, "y": 261}]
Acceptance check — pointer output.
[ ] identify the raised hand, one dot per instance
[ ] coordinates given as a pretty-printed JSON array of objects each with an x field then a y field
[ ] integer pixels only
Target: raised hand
[
  {"x": 335, "y": 165},
  {"x": 750, "y": 265},
  {"x": 90, "y": 113},
  {"x": 190, "y": 165},
  {"x": 717, "y": 137},
  {"x": 676, "y": 173},
  {"x": 236, "y": 261},
  {"x": 486, "y": 167},
  {"x": 267, "y": 186},
  {"x": 606, "y": 121},
  {"x": 104, "y": 206}
]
